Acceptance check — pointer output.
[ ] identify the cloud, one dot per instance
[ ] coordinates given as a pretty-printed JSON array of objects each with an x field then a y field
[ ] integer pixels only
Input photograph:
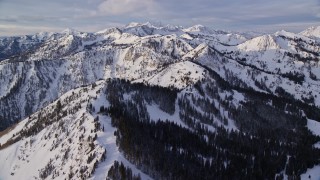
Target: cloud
[
  {"x": 29, "y": 19},
  {"x": 219, "y": 14},
  {"x": 127, "y": 7},
  {"x": 12, "y": 30},
  {"x": 99, "y": 14},
  {"x": 8, "y": 19}
]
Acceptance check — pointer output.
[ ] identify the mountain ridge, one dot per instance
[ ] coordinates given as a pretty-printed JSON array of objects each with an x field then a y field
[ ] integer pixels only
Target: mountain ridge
[{"x": 201, "y": 80}]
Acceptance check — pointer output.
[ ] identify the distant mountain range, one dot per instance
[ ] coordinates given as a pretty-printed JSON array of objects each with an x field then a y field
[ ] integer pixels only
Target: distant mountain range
[{"x": 73, "y": 103}]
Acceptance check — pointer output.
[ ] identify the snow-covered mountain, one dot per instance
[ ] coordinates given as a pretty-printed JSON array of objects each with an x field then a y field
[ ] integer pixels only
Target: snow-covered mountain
[
  {"x": 66, "y": 139},
  {"x": 54, "y": 85},
  {"x": 313, "y": 31}
]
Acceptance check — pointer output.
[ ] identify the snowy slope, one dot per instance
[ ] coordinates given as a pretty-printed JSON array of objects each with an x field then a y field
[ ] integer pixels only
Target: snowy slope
[
  {"x": 75, "y": 140},
  {"x": 314, "y": 127},
  {"x": 178, "y": 75},
  {"x": 311, "y": 174},
  {"x": 140, "y": 52},
  {"x": 64, "y": 146},
  {"x": 266, "y": 63},
  {"x": 71, "y": 67},
  {"x": 148, "y": 53}
]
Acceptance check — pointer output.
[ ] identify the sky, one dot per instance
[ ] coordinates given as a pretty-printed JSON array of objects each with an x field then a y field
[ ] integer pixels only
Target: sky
[{"x": 19, "y": 17}]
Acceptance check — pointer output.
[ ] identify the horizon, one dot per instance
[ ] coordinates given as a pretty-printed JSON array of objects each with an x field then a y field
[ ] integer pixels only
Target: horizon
[
  {"x": 18, "y": 17},
  {"x": 159, "y": 24}
]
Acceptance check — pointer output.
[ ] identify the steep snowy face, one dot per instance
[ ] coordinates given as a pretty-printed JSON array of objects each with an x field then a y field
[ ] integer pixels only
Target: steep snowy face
[
  {"x": 262, "y": 43},
  {"x": 15, "y": 46},
  {"x": 59, "y": 141},
  {"x": 179, "y": 75}
]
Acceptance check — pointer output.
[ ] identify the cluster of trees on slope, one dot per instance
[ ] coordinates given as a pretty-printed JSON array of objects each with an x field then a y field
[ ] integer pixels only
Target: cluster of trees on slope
[
  {"x": 120, "y": 172},
  {"x": 165, "y": 150},
  {"x": 234, "y": 83}
]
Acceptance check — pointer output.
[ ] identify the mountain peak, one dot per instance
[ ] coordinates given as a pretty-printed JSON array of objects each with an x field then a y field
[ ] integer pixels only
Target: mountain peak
[
  {"x": 70, "y": 31},
  {"x": 201, "y": 29},
  {"x": 283, "y": 33},
  {"x": 109, "y": 30},
  {"x": 136, "y": 24},
  {"x": 311, "y": 31},
  {"x": 197, "y": 27},
  {"x": 133, "y": 24},
  {"x": 43, "y": 35},
  {"x": 261, "y": 43}
]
